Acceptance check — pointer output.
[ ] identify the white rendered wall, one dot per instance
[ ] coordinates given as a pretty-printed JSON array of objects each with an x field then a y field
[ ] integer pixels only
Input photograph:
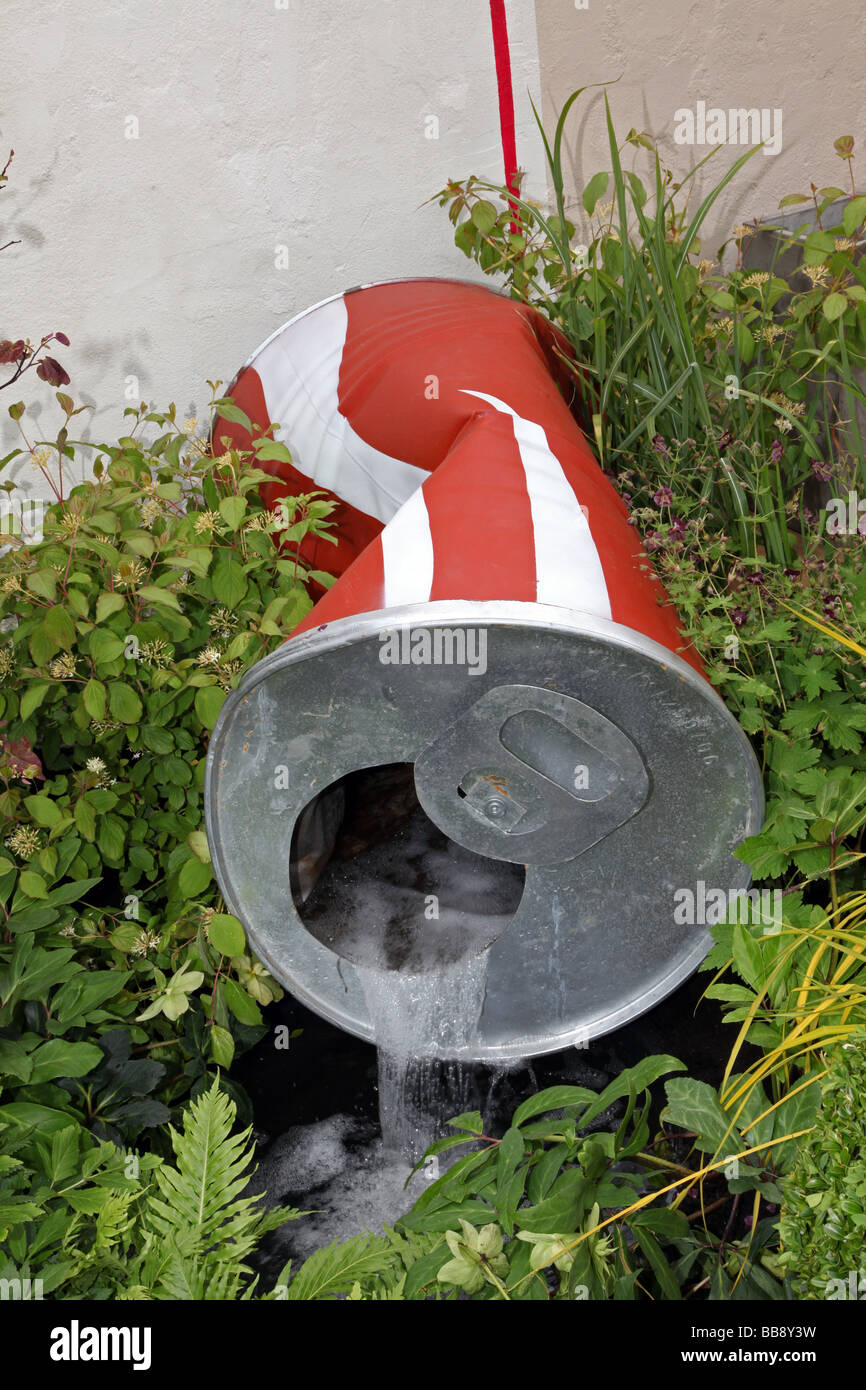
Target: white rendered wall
[{"x": 261, "y": 124}]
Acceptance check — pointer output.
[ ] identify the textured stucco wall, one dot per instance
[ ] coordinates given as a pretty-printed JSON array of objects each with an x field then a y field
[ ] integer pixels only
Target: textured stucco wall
[
  {"x": 302, "y": 124},
  {"x": 799, "y": 56},
  {"x": 261, "y": 124}
]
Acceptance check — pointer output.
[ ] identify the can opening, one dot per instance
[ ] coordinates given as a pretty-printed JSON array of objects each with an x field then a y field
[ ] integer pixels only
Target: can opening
[{"x": 377, "y": 882}]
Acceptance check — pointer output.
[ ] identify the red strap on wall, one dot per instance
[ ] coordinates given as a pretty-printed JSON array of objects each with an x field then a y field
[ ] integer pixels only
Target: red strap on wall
[{"x": 506, "y": 97}]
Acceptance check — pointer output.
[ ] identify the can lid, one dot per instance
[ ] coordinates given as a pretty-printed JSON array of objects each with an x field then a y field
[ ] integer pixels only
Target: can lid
[{"x": 663, "y": 787}]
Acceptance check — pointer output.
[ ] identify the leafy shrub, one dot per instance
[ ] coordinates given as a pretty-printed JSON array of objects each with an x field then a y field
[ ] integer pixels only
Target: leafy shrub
[
  {"x": 823, "y": 1223},
  {"x": 124, "y": 984},
  {"x": 98, "y": 1223},
  {"x": 156, "y": 586}
]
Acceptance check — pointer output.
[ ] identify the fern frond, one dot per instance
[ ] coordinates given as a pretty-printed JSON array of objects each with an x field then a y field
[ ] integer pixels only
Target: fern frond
[
  {"x": 334, "y": 1269},
  {"x": 197, "y": 1227}
]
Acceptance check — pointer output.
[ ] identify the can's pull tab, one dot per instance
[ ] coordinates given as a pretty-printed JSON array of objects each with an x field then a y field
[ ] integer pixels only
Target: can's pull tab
[{"x": 531, "y": 776}]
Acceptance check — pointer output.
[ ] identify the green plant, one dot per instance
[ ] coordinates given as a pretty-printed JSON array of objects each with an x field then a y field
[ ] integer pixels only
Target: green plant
[
  {"x": 664, "y": 346},
  {"x": 501, "y": 1221},
  {"x": 824, "y": 1196},
  {"x": 157, "y": 584},
  {"x": 90, "y": 1221}
]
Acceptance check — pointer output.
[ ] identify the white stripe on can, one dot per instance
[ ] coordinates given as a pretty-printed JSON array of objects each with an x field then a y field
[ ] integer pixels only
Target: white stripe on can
[
  {"x": 300, "y": 371},
  {"x": 568, "y": 570},
  {"x": 407, "y": 550}
]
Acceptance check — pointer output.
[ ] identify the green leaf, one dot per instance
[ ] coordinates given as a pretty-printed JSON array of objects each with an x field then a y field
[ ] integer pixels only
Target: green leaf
[
  {"x": 158, "y": 740},
  {"x": 94, "y": 699},
  {"x": 272, "y": 452},
  {"x": 110, "y": 837},
  {"x": 658, "y": 1264},
  {"x": 242, "y": 1005},
  {"x": 85, "y": 818},
  {"x": 107, "y": 604},
  {"x": 633, "y": 1079},
  {"x": 125, "y": 937},
  {"x": 744, "y": 340},
  {"x": 561, "y": 1211},
  {"x": 153, "y": 593},
  {"x": 834, "y": 306},
  {"x": 333, "y": 1270},
  {"x": 227, "y": 410},
  {"x": 124, "y": 703},
  {"x": 484, "y": 216},
  {"x": 31, "y": 1116},
  {"x": 222, "y": 1046},
  {"x": 43, "y": 584},
  {"x": 423, "y": 1272},
  {"x": 695, "y": 1106},
  {"x": 470, "y": 1122},
  {"x": 105, "y": 645},
  {"x": 209, "y": 700},
  {"x": 15, "y": 1060},
  {"x": 226, "y": 934},
  {"x": 233, "y": 509},
  {"x": 228, "y": 579},
  {"x": 595, "y": 189},
  {"x": 194, "y": 878},
  {"x": 88, "y": 1200},
  {"x": 748, "y": 961},
  {"x": 197, "y": 841},
  {"x": 61, "y": 1058},
  {"x": 43, "y": 810},
  {"x": 59, "y": 628},
  {"x": 854, "y": 215},
  {"x": 33, "y": 697},
  {"x": 32, "y": 884},
  {"x": 554, "y": 1098}
]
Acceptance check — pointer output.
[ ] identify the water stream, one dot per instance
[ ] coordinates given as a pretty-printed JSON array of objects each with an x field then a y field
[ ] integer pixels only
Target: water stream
[{"x": 422, "y": 1024}]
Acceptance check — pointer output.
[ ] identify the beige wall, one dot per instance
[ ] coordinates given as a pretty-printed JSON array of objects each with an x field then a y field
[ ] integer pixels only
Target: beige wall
[{"x": 802, "y": 56}]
